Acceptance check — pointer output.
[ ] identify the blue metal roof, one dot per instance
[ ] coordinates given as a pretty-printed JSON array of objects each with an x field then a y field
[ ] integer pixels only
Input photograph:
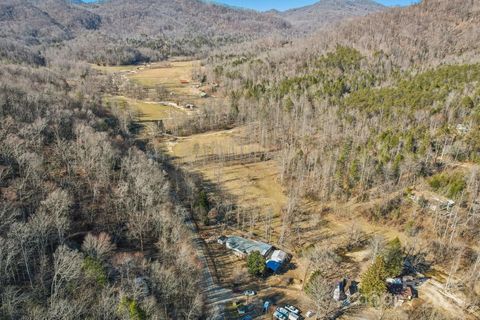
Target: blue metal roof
[{"x": 274, "y": 265}]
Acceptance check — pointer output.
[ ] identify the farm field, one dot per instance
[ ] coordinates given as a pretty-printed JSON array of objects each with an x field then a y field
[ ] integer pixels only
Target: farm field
[
  {"x": 227, "y": 160},
  {"x": 168, "y": 74},
  {"x": 176, "y": 77},
  {"x": 148, "y": 110}
]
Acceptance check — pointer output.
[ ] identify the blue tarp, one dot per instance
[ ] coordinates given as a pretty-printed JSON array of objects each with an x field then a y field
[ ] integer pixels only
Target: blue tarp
[{"x": 274, "y": 265}]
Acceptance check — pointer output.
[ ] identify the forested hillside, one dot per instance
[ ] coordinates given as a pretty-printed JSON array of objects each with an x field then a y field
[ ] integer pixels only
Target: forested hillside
[
  {"x": 180, "y": 18},
  {"x": 34, "y": 22},
  {"x": 89, "y": 225},
  {"x": 431, "y": 32},
  {"x": 117, "y": 32},
  {"x": 327, "y": 12},
  {"x": 125, "y": 32}
]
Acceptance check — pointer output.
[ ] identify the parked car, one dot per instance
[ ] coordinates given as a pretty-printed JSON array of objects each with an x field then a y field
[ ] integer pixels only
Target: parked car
[
  {"x": 249, "y": 293},
  {"x": 280, "y": 316},
  {"x": 292, "y": 309},
  {"x": 244, "y": 309},
  {"x": 222, "y": 240},
  {"x": 283, "y": 311}
]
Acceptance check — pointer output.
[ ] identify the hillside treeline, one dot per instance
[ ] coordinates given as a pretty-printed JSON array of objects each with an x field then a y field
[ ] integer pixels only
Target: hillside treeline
[
  {"x": 118, "y": 32},
  {"x": 90, "y": 227}
]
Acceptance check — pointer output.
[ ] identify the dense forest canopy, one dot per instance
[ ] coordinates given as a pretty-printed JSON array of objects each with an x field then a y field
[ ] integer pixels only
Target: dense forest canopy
[{"x": 77, "y": 198}]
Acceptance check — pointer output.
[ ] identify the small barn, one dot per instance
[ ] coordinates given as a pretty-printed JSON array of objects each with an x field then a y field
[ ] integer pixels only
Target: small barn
[
  {"x": 345, "y": 289},
  {"x": 339, "y": 292},
  {"x": 277, "y": 260}
]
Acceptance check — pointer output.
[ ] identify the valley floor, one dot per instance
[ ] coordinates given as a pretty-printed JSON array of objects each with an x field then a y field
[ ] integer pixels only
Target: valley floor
[{"x": 243, "y": 176}]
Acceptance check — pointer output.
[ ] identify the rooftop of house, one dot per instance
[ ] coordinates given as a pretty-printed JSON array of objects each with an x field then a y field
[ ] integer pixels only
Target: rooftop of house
[{"x": 248, "y": 246}]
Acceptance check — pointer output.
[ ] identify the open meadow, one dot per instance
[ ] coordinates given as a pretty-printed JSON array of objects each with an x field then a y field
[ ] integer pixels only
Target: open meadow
[
  {"x": 235, "y": 166},
  {"x": 146, "y": 111}
]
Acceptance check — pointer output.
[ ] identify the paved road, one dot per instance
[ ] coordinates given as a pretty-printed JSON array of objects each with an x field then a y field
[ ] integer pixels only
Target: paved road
[{"x": 215, "y": 296}]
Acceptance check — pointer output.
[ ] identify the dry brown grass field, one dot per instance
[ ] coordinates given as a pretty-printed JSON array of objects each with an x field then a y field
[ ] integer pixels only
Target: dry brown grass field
[
  {"x": 223, "y": 159},
  {"x": 167, "y": 74},
  {"x": 174, "y": 76},
  {"x": 148, "y": 110},
  {"x": 114, "y": 69}
]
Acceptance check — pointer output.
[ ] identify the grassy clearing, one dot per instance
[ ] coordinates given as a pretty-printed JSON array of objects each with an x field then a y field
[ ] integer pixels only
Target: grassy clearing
[
  {"x": 200, "y": 146},
  {"x": 254, "y": 186},
  {"x": 168, "y": 76},
  {"x": 149, "y": 111},
  {"x": 256, "y": 190}
]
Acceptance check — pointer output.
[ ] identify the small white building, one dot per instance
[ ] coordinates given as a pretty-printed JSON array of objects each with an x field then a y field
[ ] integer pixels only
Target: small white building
[{"x": 279, "y": 256}]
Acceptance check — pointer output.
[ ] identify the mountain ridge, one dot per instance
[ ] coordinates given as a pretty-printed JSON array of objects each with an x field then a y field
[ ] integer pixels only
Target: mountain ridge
[{"x": 327, "y": 12}]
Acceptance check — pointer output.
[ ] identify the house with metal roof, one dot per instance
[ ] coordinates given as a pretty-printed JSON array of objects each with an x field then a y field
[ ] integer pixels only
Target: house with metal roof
[{"x": 243, "y": 247}]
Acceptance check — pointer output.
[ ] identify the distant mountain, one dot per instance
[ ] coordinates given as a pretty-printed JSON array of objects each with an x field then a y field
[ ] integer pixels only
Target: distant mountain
[
  {"x": 181, "y": 18},
  {"x": 431, "y": 32},
  {"x": 130, "y": 31},
  {"x": 327, "y": 12},
  {"x": 40, "y": 21}
]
